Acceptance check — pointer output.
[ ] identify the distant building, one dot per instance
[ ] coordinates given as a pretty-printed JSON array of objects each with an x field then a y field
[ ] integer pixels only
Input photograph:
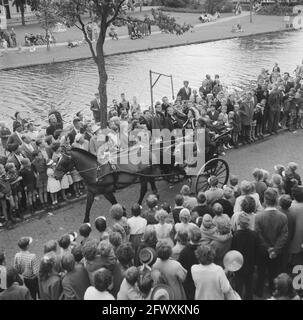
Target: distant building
[{"x": 12, "y": 11}]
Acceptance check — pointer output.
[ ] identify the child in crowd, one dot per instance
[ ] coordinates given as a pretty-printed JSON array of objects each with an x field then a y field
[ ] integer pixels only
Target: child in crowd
[
  {"x": 84, "y": 231},
  {"x": 120, "y": 222},
  {"x": 234, "y": 185},
  {"x": 278, "y": 184},
  {"x": 76, "y": 178},
  {"x": 5, "y": 194},
  {"x": 163, "y": 229},
  {"x": 179, "y": 200},
  {"x": 14, "y": 179},
  {"x": 129, "y": 289},
  {"x": 40, "y": 168},
  {"x": 137, "y": 226},
  {"x": 53, "y": 185},
  {"x": 101, "y": 226},
  {"x": 115, "y": 239},
  {"x": 29, "y": 184}
]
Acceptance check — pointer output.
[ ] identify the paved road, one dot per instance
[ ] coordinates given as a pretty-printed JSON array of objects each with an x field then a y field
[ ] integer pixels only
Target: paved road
[{"x": 280, "y": 149}]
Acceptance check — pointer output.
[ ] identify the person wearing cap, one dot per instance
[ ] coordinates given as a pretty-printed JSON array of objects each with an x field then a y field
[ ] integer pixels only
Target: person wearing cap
[
  {"x": 14, "y": 289},
  {"x": 271, "y": 226},
  {"x": 214, "y": 193},
  {"x": 210, "y": 281},
  {"x": 247, "y": 242},
  {"x": 172, "y": 270},
  {"x": 84, "y": 231},
  {"x": 188, "y": 258},
  {"x": 75, "y": 281},
  {"x": 101, "y": 226},
  {"x": 27, "y": 265}
]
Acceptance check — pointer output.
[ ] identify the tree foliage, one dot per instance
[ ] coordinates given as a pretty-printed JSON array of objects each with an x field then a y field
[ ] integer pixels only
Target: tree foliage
[
  {"x": 105, "y": 13},
  {"x": 211, "y": 6},
  {"x": 46, "y": 12}
]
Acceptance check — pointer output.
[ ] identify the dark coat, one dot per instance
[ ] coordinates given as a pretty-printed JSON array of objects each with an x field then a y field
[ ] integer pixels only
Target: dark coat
[
  {"x": 75, "y": 283},
  {"x": 187, "y": 259},
  {"x": 95, "y": 108},
  {"x": 182, "y": 93}
]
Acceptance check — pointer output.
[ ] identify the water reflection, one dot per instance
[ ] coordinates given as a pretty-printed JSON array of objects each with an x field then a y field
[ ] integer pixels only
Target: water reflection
[{"x": 71, "y": 85}]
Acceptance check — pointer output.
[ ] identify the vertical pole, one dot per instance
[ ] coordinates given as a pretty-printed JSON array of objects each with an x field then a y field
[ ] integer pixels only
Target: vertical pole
[
  {"x": 172, "y": 87},
  {"x": 251, "y": 10},
  {"x": 151, "y": 90}
]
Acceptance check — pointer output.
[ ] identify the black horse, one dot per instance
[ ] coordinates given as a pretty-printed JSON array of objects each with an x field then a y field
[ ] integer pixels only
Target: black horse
[{"x": 105, "y": 179}]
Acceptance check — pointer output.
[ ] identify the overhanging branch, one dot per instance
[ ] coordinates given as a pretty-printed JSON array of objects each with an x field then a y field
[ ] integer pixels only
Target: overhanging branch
[{"x": 87, "y": 39}]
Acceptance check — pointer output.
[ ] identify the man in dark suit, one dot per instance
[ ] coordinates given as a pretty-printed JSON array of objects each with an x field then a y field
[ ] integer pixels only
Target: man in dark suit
[
  {"x": 15, "y": 137},
  {"x": 96, "y": 107},
  {"x": 185, "y": 92},
  {"x": 76, "y": 129}
]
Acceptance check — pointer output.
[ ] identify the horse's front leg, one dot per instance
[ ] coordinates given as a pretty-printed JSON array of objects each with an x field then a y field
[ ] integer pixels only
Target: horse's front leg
[
  {"x": 152, "y": 182},
  {"x": 89, "y": 202},
  {"x": 111, "y": 198},
  {"x": 143, "y": 190}
]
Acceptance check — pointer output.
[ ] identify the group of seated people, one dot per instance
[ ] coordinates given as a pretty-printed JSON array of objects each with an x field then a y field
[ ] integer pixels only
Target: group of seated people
[{"x": 174, "y": 251}]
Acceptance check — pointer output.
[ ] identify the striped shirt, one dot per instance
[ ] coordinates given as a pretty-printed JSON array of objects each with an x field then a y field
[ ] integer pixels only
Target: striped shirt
[{"x": 26, "y": 264}]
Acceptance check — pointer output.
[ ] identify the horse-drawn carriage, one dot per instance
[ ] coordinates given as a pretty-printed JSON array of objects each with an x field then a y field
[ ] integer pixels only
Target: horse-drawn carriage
[{"x": 109, "y": 176}]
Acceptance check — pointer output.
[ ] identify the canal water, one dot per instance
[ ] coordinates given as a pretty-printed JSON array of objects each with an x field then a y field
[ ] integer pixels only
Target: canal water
[{"x": 70, "y": 86}]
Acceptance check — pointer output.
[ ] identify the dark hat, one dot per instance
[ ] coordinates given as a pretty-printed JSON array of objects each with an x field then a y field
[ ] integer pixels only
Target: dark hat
[
  {"x": 162, "y": 292},
  {"x": 147, "y": 256},
  {"x": 24, "y": 242}
]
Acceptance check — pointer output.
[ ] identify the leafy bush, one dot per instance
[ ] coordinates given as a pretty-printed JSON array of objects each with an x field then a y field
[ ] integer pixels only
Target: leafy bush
[
  {"x": 276, "y": 10},
  {"x": 174, "y": 3},
  {"x": 211, "y": 6},
  {"x": 227, "y": 8}
]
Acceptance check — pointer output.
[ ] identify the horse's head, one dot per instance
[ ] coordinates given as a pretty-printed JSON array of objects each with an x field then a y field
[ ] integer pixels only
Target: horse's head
[{"x": 64, "y": 165}]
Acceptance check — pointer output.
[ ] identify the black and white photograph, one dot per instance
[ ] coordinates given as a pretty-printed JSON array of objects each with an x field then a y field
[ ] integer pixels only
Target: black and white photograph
[{"x": 151, "y": 151}]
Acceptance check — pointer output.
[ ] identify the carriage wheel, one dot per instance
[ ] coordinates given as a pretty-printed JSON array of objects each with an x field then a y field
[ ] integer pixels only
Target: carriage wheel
[{"x": 215, "y": 167}]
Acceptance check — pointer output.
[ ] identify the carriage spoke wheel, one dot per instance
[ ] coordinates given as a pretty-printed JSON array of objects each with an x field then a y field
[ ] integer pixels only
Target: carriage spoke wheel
[{"x": 215, "y": 167}]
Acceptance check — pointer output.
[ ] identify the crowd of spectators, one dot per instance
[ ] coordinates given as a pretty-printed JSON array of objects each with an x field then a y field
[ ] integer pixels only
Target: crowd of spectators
[
  {"x": 174, "y": 251},
  {"x": 27, "y": 166}
]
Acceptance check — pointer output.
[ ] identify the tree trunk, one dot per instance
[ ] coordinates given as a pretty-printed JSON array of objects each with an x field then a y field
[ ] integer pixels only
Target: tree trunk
[
  {"x": 102, "y": 80},
  {"x": 22, "y": 14}
]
